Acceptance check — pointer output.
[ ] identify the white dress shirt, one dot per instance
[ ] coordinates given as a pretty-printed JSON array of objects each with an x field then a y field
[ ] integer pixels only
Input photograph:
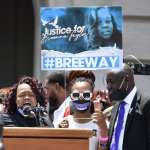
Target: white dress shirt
[{"x": 128, "y": 100}]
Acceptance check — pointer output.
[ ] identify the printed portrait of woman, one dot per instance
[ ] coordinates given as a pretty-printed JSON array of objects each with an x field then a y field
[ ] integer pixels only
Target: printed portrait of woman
[{"x": 104, "y": 29}]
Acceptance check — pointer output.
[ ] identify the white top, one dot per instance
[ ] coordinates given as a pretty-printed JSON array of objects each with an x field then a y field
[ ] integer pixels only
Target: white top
[
  {"x": 93, "y": 142},
  {"x": 128, "y": 100},
  {"x": 59, "y": 113}
]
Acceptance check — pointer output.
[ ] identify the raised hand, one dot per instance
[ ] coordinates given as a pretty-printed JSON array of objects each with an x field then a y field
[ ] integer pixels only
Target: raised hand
[
  {"x": 99, "y": 117},
  {"x": 103, "y": 97}
]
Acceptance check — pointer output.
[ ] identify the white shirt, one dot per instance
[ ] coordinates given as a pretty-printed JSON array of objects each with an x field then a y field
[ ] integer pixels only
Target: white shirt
[
  {"x": 128, "y": 100},
  {"x": 59, "y": 113},
  {"x": 93, "y": 141}
]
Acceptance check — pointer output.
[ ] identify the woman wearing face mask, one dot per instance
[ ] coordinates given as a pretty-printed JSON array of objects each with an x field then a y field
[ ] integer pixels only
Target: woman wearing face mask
[
  {"x": 25, "y": 106},
  {"x": 86, "y": 114}
]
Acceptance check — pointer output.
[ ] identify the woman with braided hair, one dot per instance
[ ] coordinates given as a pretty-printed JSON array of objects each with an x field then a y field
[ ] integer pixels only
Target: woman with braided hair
[
  {"x": 86, "y": 113},
  {"x": 64, "y": 110}
]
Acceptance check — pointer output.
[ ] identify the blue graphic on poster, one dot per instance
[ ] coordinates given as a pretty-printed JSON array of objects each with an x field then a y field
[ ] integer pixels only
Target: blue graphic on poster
[{"x": 81, "y": 38}]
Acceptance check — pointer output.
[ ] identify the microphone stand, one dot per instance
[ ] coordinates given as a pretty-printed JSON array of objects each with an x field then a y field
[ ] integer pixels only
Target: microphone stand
[{"x": 40, "y": 113}]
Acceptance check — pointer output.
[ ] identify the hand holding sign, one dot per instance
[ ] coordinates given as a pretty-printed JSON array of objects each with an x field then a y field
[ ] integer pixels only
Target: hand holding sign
[{"x": 99, "y": 117}]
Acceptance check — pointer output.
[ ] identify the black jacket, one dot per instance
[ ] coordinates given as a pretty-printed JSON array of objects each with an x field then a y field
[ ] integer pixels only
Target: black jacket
[
  {"x": 137, "y": 128},
  {"x": 17, "y": 120}
]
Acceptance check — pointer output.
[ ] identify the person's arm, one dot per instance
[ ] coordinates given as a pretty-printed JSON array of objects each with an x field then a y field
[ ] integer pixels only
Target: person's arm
[
  {"x": 7, "y": 120},
  {"x": 146, "y": 112},
  {"x": 103, "y": 139},
  {"x": 100, "y": 120}
]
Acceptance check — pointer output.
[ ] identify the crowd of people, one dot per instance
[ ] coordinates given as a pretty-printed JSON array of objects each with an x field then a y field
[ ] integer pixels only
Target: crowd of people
[{"x": 119, "y": 117}]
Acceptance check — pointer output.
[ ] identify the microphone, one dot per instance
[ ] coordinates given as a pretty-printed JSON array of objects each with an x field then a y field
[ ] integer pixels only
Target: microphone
[
  {"x": 40, "y": 109},
  {"x": 28, "y": 111}
]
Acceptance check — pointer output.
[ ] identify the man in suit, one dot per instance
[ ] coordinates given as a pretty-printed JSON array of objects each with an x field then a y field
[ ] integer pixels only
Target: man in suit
[{"x": 134, "y": 133}]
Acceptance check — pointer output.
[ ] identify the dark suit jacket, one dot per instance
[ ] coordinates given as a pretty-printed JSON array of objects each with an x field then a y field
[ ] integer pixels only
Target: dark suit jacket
[{"x": 137, "y": 128}]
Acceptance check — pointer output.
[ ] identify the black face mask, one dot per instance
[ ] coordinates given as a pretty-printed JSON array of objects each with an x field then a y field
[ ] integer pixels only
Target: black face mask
[{"x": 118, "y": 95}]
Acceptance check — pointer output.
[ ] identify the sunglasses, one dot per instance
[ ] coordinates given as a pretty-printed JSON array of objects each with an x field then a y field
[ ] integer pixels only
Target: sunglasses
[{"x": 87, "y": 95}]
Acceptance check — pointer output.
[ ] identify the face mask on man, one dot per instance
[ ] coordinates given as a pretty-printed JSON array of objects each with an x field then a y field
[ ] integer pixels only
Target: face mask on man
[{"x": 120, "y": 93}]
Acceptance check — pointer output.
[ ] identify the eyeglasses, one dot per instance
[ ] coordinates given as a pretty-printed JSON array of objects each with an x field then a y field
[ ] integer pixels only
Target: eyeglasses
[{"x": 75, "y": 95}]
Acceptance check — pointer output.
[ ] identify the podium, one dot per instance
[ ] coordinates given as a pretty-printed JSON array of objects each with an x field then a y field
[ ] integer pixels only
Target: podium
[{"x": 26, "y": 138}]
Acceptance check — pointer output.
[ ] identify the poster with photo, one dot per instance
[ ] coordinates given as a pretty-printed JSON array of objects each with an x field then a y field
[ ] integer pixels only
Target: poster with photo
[{"x": 81, "y": 38}]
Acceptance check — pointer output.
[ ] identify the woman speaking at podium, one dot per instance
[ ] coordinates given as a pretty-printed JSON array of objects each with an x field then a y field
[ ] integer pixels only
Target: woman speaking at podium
[{"x": 25, "y": 106}]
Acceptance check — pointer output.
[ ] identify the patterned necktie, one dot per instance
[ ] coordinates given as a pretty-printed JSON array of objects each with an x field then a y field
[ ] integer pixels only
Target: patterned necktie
[{"x": 119, "y": 125}]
